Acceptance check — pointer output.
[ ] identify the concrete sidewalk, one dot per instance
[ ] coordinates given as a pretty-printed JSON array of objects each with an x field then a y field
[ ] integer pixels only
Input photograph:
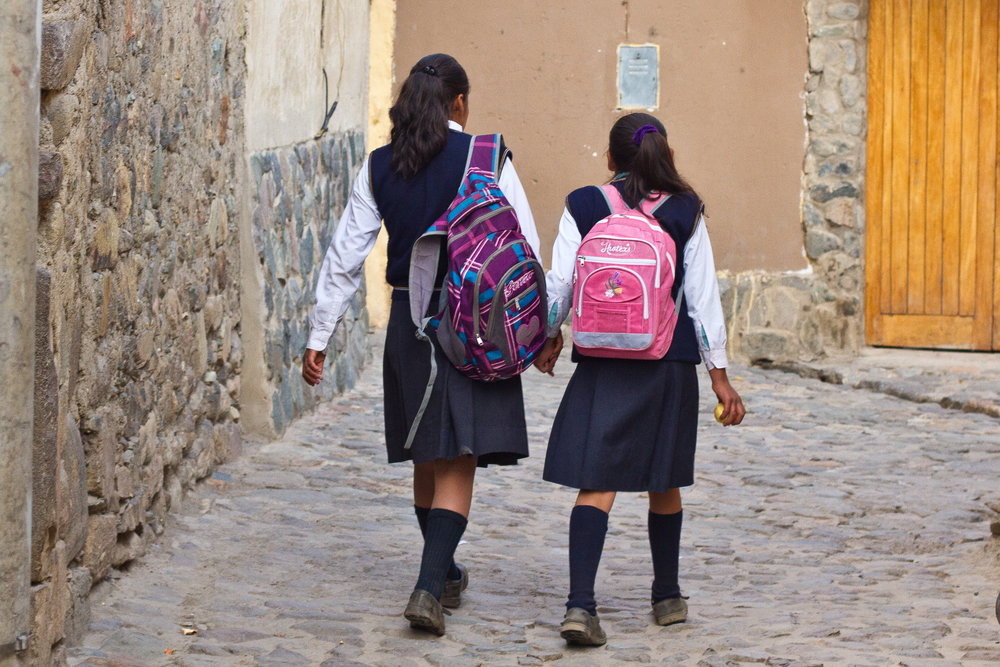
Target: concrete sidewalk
[{"x": 966, "y": 381}]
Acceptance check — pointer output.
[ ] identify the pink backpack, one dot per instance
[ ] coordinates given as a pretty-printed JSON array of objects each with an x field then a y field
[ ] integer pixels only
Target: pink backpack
[{"x": 625, "y": 269}]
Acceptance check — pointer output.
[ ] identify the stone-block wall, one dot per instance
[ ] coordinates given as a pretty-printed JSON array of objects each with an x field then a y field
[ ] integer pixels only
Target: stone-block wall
[
  {"x": 298, "y": 194},
  {"x": 139, "y": 347},
  {"x": 818, "y": 313}
]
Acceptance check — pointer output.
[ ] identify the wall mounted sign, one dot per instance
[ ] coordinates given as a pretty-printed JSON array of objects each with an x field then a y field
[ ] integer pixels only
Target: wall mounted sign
[{"x": 638, "y": 76}]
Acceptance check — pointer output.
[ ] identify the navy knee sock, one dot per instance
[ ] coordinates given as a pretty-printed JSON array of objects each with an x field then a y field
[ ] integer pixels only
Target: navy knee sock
[
  {"x": 587, "y": 528},
  {"x": 421, "y": 512},
  {"x": 665, "y": 543},
  {"x": 444, "y": 530}
]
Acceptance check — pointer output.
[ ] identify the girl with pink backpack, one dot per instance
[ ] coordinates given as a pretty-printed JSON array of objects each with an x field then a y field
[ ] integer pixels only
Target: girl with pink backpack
[
  {"x": 445, "y": 422},
  {"x": 633, "y": 261}
]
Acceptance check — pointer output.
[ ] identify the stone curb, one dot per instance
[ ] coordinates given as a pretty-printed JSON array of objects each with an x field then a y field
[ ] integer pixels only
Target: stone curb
[{"x": 906, "y": 389}]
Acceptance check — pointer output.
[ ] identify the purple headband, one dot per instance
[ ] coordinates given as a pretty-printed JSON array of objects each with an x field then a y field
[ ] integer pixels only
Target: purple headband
[{"x": 642, "y": 132}]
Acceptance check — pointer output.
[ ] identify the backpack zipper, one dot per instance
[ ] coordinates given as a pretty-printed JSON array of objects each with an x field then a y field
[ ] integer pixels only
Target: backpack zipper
[
  {"x": 583, "y": 259},
  {"x": 652, "y": 247},
  {"x": 479, "y": 277},
  {"x": 597, "y": 259},
  {"x": 478, "y": 221},
  {"x": 612, "y": 260},
  {"x": 516, "y": 298}
]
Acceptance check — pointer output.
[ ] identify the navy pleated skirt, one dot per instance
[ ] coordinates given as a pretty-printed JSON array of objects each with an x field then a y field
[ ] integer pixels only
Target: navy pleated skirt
[
  {"x": 464, "y": 416},
  {"x": 625, "y": 425}
]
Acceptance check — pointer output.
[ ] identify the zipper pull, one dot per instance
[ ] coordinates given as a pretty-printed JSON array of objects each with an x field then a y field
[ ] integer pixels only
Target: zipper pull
[
  {"x": 479, "y": 339},
  {"x": 581, "y": 260}
]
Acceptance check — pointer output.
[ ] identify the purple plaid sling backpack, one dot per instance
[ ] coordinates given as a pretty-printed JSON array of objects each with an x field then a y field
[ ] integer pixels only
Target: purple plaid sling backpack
[{"x": 490, "y": 319}]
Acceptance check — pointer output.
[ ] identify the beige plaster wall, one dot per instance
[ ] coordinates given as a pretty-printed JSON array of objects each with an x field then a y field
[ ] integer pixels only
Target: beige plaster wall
[
  {"x": 731, "y": 85},
  {"x": 380, "y": 51},
  {"x": 288, "y": 45}
]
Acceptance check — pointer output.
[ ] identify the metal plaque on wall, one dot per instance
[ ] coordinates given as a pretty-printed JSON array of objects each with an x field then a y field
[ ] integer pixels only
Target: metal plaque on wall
[{"x": 638, "y": 76}]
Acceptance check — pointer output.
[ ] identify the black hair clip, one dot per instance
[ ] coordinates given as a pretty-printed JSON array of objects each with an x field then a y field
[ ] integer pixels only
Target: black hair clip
[{"x": 429, "y": 69}]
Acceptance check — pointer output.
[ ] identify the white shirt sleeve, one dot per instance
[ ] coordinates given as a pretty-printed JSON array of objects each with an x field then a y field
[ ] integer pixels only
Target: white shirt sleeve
[
  {"x": 701, "y": 292},
  {"x": 511, "y": 187},
  {"x": 340, "y": 275},
  {"x": 559, "y": 279}
]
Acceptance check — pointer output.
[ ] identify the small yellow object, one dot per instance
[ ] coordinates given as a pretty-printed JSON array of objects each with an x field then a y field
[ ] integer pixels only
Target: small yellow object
[{"x": 719, "y": 409}]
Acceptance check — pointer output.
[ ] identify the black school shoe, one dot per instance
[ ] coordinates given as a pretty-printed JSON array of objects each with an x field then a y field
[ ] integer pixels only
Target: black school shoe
[
  {"x": 452, "y": 595},
  {"x": 425, "y": 613},
  {"x": 581, "y": 628}
]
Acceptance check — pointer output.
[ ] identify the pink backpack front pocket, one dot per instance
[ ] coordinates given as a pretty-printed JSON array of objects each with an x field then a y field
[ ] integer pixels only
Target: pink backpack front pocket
[{"x": 612, "y": 307}]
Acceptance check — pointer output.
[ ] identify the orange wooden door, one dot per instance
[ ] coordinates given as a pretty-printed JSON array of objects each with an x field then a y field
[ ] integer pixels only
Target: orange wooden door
[{"x": 932, "y": 177}]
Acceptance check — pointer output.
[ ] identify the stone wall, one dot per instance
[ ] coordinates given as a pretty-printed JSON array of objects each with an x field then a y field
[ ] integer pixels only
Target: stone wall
[
  {"x": 158, "y": 233},
  {"x": 817, "y": 313},
  {"x": 138, "y": 354},
  {"x": 298, "y": 194}
]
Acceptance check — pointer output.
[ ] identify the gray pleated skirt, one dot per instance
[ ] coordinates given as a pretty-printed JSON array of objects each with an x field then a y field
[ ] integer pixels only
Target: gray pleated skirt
[
  {"x": 625, "y": 425},
  {"x": 464, "y": 416}
]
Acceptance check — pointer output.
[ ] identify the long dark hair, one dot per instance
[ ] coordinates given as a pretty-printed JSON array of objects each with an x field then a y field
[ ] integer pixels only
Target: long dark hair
[
  {"x": 645, "y": 157},
  {"x": 420, "y": 115}
]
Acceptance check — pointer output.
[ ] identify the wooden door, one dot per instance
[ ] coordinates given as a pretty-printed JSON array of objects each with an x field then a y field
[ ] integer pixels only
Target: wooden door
[{"x": 932, "y": 177}]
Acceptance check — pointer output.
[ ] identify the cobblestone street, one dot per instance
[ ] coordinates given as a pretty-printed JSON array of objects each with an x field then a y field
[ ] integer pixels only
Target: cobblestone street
[{"x": 837, "y": 526}]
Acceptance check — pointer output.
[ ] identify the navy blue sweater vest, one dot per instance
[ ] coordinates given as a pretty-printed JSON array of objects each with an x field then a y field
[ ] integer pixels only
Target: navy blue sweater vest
[
  {"x": 677, "y": 216},
  {"x": 409, "y": 206}
]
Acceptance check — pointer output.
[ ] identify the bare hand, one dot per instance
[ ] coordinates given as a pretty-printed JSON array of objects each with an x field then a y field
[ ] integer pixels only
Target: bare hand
[
  {"x": 546, "y": 359},
  {"x": 312, "y": 366},
  {"x": 733, "y": 410}
]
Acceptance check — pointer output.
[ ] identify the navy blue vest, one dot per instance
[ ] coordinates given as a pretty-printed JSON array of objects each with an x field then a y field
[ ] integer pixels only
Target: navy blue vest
[
  {"x": 677, "y": 216},
  {"x": 408, "y": 207}
]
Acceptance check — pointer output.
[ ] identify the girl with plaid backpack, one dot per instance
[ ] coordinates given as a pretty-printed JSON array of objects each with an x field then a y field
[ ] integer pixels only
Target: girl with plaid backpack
[
  {"x": 627, "y": 422},
  {"x": 463, "y": 423}
]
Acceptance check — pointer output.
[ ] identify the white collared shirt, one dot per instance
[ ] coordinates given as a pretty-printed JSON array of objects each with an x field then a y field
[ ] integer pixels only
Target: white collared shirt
[
  {"x": 701, "y": 287},
  {"x": 340, "y": 275}
]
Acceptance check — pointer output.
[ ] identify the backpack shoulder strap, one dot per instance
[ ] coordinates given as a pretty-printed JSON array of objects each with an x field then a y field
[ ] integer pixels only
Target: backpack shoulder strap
[
  {"x": 651, "y": 205},
  {"x": 613, "y": 198},
  {"x": 485, "y": 153},
  {"x": 424, "y": 259},
  {"x": 617, "y": 204},
  {"x": 698, "y": 212}
]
